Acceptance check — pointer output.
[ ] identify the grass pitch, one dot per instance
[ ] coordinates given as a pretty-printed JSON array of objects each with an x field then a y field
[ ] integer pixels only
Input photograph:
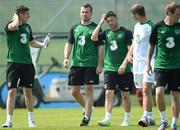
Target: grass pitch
[{"x": 69, "y": 119}]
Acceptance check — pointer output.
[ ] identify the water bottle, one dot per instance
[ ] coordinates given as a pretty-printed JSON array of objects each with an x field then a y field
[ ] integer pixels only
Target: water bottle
[{"x": 46, "y": 40}]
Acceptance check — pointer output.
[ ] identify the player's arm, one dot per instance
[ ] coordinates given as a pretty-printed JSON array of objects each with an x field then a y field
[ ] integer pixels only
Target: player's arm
[
  {"x": 68, "y": 47},
  {"x": 152, "y": 41},
  {"x": 100, "y": 59},
  {"x": 128, "y": 40},
  {"x": 36, "y": 44},
  {"x": 94, "y": 36},
  {"x": 67, "y": 52},
  {"x": 122, "y": 68},
  {"x": 130, "y": 54},
  {"x": 14, "y": 24},
  {"x": 149, "y": 57}
]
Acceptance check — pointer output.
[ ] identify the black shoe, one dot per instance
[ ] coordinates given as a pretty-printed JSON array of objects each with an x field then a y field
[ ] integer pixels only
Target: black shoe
[
  {"x": 143, "y": 122},
  {"x": 84, "y": 122},
  {"x": 151, "y": 121},
  {"x": 89, "y": 113}
]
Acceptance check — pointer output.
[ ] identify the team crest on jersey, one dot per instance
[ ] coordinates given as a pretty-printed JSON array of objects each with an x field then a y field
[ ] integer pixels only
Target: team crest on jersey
[
  {"x": 163, "y": 30},
  {"x": 177, "y": 31},
  {"x": 90, "y": 32},
  {"x": 76, "y": 30},
  {"x": 119, "y": 35}
]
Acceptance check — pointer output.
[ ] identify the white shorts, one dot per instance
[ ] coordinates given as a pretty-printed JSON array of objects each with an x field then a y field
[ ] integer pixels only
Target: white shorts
[{"x": 139, "y": 79}]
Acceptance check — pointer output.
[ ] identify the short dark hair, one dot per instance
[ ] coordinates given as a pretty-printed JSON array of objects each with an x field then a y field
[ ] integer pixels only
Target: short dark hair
[
  {"x": 171, "y": 7},
  {"x": 138, "y": 9},
  {"x": 110, "y": 14},
  {"x": 21, "y": 9},
  {"x": 87, "y": 5}
]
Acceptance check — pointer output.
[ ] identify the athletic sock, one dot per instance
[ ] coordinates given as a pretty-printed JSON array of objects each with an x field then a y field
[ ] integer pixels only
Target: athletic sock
[
  {"x": 108, "y": 115},
  {"x": 163, "y": 116},
  {"x": 145, "y": 114},
  {"x": 127, "y": 116},
  {"x": 30, "y": 116},
  {"x": 9, "y": 118},
  {"x": 174, "y": 120}
]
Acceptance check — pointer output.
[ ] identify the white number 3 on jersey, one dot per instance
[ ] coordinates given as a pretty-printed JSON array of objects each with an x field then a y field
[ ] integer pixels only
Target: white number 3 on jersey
[
  {"x": 113, "y": 45},
  {"x": 82, "y": 40},
  {"x": 23, "y": 38},
  {"x": 170, "y": 42}
]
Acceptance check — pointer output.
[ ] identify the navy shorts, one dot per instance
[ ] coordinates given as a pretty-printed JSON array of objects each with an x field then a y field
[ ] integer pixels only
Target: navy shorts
[
  {"x": 20, "y": 74},
  {"x": 168, "y": 77},
  {"x": 113, "y": 80},
  {"x": 83, "y": 76}
]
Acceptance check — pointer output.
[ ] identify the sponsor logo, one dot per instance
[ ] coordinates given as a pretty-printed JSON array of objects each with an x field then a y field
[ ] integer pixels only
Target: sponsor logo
[
  {"x": 91, "y": 81},
  {"x": 162, "y": 32},
  {"x": 126, "y": 88},
  {"x": 105, "y": 86}
]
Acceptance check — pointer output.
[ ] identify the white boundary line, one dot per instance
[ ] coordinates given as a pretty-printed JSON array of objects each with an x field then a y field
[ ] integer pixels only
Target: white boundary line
[{"x": 55, "y": 16}]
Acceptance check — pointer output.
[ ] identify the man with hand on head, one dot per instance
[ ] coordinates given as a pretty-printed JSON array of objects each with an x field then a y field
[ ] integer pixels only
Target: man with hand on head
[
  {"x": 20, "y": 69},
  {"x": 117, "y": 72}
]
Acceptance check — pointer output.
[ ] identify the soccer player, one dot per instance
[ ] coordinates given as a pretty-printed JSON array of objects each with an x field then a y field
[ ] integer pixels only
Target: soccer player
[
  {"x": 137, "y": 55},
  {"x": 117, "y": 71},
  {"x": 20, "y": 68},
  {"x": 86, "y": 62},
  {"x": 165, "y": 37}
]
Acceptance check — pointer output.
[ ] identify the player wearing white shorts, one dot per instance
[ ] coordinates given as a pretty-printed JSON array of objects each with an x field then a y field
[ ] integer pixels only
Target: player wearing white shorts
[{"x": 137, "y": 55}]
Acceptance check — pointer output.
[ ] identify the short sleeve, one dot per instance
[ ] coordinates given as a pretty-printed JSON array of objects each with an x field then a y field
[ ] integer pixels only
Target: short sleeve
[
  {"x": 129, "y": 37},
  {"x": 71, "y": 36},
  {"x": 153, "y": 36}
]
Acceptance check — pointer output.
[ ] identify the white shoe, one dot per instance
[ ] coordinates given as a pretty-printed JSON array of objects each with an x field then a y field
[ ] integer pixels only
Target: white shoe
[
  {"x": 7, "y": 125},
  {"x": 125, "y": 123},
  {"x": 105, "y": 122},
  {"x": 32, "y": 123}
]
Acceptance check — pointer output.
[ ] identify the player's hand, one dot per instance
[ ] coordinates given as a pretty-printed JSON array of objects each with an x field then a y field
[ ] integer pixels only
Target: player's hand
[
  {"x": 99, "y": 70},
  {"x": 130, "y": 58},
  {"x": 121, "y": 69},
  {"x": 149, "y": 69},
  {"x": 103, "y": 18},
  {"x": 46, "y": 40},
  {"x": 15, "y": 17},
  {"x": 66, "y": 63}
]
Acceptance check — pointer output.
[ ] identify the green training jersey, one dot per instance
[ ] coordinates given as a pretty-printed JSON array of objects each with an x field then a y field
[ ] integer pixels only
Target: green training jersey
[
  {"x": 18, "y": 44},
  {"x": 116, "y": 48},
  {"x": 85, "y": 51},
  {"x": 166, "y": 38}
]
